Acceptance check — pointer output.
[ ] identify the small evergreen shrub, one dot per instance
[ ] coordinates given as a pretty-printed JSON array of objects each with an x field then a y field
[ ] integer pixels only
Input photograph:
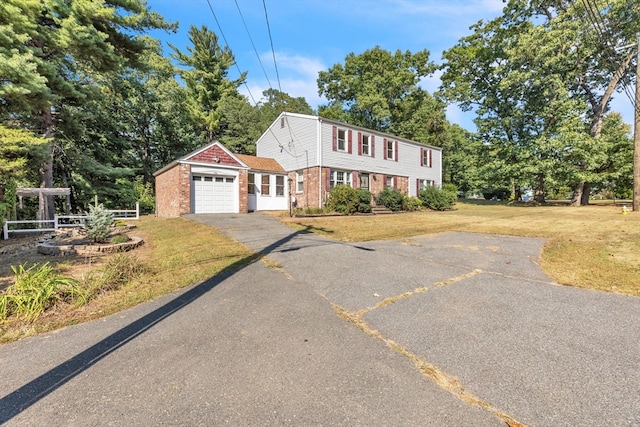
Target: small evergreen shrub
[
  {"x": 343, "y": 199},
  {"x": 391, "y": 198},
  {"x": 437, "y": 199},
  {"x": 411, "y": 204},
  {"x": 98, "y": 224},
  {"x": 346, "y": 200},
  {"x": 364, "y": 201}
]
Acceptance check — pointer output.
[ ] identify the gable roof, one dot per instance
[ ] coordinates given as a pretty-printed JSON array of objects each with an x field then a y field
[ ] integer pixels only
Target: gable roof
[{"x": 216, "y": 154}]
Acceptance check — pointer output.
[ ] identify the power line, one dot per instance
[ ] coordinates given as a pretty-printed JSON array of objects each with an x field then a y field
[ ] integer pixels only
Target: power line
[
  {"x": 252, "y": 44},
  {"x": 596, "y": 20}
]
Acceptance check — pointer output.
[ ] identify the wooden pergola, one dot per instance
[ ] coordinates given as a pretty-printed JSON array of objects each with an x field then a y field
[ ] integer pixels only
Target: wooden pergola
[{"x": 44, "y": 195}]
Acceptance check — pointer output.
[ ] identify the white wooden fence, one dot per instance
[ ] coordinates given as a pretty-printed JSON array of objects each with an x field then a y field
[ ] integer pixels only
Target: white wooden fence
[{"x": 63, "y": 221}]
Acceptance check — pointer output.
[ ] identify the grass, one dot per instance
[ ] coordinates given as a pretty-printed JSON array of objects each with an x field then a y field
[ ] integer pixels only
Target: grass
[
  {"x": 176, "y": 253},
  {"x": 593, "y": 247}
]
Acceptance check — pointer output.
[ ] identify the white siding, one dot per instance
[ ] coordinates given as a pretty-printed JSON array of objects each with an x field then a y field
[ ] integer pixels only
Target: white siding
[
  {"x": 408, "y": 164},
  {"x": 298, "y": 140},
  {"x": 295, "y": 146},
  {"x": 271, "y": 202}
]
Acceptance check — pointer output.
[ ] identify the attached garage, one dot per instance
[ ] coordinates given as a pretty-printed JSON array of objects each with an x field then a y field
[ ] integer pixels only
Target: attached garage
[
  {"x": 215, "y": 180},
  {"x": 214, "y": 194}
]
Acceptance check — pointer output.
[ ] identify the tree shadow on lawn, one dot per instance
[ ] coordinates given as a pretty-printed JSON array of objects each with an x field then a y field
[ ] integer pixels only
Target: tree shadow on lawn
[{"x": 35, "y": 390}]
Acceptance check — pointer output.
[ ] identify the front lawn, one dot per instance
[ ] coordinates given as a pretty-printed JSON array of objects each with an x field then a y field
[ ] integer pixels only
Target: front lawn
[{"x": 592, "y": 247}]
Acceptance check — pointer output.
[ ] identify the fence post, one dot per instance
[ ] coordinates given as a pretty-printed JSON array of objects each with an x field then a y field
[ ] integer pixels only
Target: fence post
[
  {"x": 5, "y": 231},
  {"x": 55, "y": 222},
  {"x": 137, "y": 210}
]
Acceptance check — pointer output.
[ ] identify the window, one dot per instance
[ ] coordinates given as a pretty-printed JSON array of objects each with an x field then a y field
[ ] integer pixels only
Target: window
[
  {"x": 282, "y": 122},
  {"x": 299, "y": 182},
  {"x": 391, "y": 149},
  {"x": 219, "y": 179},
  {"x": 279, "y": 185},
  {"x": 365, "y": 146},
  {"x": 265, "y": 184},
  {"x": 208, "y": 179},
  {"x": 340, "y": 177},
  {"x": 342, "y": 140},
  {"x": 427, "y": 157},
  {"x": 389, "y": 182},
  {"x": 251, "y": 184},
  {"x": 364, "y": 181},
  {"x": 425, "y": 183}
]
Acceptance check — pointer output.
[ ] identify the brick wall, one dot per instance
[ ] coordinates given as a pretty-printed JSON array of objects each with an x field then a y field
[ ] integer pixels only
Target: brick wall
[
  {"x": 309, "y": 197},
  {"x": 211, "y": 154},
  {"x": 243, "y": 194},
  {"x": 173, "y": 192}
]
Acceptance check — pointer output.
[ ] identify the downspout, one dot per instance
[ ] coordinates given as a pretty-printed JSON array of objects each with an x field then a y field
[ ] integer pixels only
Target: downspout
[{"x": 319, "y": 154}]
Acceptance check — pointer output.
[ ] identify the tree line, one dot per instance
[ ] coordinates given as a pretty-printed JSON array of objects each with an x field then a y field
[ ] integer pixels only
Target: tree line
[{"x": 89, "y": 100}]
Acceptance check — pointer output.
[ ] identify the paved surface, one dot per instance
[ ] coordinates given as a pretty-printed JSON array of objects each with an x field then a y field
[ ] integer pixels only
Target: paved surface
[{"x": 264, "y": 346}]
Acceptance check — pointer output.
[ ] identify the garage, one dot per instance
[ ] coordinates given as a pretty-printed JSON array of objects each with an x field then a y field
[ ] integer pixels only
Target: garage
[{"x": 214, "y": 194}]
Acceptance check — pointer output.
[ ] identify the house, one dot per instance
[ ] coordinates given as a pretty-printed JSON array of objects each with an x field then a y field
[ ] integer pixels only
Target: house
[
  {"x": 320, "y": 153},
  {"x": 299, "y": 158}
]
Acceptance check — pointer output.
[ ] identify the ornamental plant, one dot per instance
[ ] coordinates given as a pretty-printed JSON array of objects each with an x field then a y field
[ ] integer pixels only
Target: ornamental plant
[{"x": 98, "y": 224}]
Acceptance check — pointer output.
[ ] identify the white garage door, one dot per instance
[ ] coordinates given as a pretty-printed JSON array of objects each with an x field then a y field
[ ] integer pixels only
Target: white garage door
[{"x": 214, "y": 194}]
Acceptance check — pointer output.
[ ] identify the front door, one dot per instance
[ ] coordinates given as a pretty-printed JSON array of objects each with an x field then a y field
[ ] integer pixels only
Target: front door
[{"x": 364, "y": 181}]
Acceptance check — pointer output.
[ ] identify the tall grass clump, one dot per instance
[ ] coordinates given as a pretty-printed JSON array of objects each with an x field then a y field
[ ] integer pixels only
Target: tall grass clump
[
  {"x": 117, "y": 271},
  {"x": 37, "y": 289}
]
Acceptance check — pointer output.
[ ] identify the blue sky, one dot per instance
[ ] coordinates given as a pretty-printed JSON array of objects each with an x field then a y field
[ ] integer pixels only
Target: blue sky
[{"x": 313, "y": 35}]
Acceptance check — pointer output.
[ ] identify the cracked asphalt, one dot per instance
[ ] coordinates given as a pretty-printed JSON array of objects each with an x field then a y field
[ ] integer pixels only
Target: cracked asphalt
[{"x": 450, "y": 329}]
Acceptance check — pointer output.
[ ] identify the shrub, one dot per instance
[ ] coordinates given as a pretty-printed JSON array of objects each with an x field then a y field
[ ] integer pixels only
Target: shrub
[
  {"x": 98, "y": 224},
  {"x": 144, "y": 194},
  {"x": 364, "y": 201},
  {"x": 437, "y": 199},
  {"x": 120, "y": 238},
  {"x": 37, "y": 289},
  {"x": 342, "y": 199},
  {"x": 391, "y": 198},
  {"x": 411, "y": 203}
]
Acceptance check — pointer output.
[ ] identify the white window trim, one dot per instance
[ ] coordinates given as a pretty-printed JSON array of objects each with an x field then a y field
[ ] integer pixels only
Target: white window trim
[
  {"x": 283, "y": 186},
  {"x": 347, "y": 178},
  {"x": 368, "y": 138},
  {"x": 299, "y": 182},
  {"x": 345, "y": 141}
]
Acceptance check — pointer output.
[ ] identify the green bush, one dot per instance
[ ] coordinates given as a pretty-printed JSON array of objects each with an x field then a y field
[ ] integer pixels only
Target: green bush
[
  {"x": 98, "y": 224},
  {"x": 120, "y": 238},
  {"x": 346, "y": 200},
  {"x": 37, "y": 289},
  {"x": 391, "y": 198},
  {"x": 342, "y": 199},
  {"x": 144, "y": 195},
  {"x": 364, "y": 201},
  {"x": 411, "y": 204},
  {"x": 437, "y": 199}
]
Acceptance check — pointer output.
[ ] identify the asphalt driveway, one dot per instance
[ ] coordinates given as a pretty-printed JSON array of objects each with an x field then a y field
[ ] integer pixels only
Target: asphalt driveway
[{"x": 451, "y": 329}]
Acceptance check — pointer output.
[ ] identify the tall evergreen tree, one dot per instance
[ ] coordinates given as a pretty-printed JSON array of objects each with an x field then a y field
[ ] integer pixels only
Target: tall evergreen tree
[
  {"x": 206, "y": 75},
  {"x": 65, "y": 47}
]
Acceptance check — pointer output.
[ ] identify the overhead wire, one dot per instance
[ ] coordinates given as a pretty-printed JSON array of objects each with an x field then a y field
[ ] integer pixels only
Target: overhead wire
[
  {"x": 594, "y": 16},
  {"x": 268, "y": 81}
]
